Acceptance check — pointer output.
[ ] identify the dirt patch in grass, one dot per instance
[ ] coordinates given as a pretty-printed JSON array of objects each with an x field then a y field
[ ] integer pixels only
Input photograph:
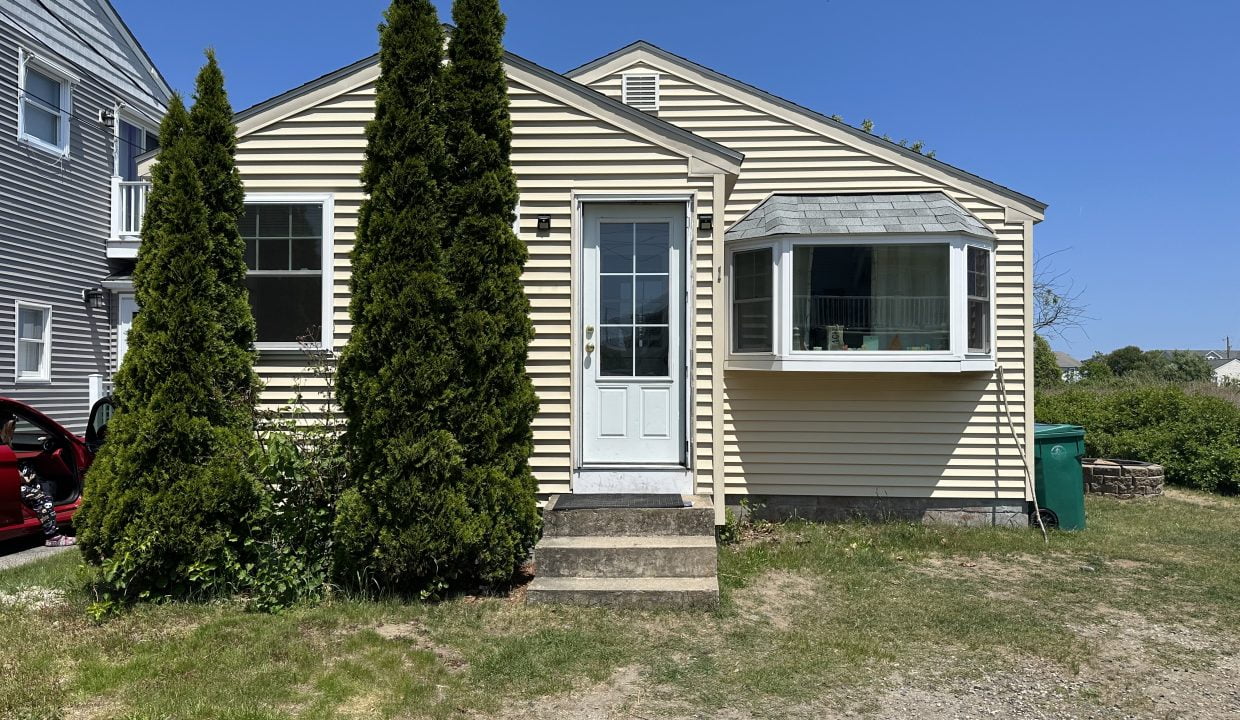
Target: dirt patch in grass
[
  {"x": 776, "y": 597},
  {"x": 417, "y": 635},
  {"x": 1199, "y": 499},
  {"x": 612, "y": 698}
]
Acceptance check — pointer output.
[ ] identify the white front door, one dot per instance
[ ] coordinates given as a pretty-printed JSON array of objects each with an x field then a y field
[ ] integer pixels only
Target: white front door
[
  {"x": 633, "y": 319},
  {"x": 126, "y": 310}
]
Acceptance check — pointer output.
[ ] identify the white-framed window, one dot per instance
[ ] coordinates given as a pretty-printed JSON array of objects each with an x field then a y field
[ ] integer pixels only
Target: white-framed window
[
  {"x": 45, "y": 102},
  {"x": 288, "y": 250},
  {"x": 133, "y": 138},
  {"x": 900, "y": 303},
  {"x": 34, "y": 342}
]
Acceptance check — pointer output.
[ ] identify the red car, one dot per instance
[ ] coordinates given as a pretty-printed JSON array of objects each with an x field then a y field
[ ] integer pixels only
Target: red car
[{"x": 59, "y": 457}]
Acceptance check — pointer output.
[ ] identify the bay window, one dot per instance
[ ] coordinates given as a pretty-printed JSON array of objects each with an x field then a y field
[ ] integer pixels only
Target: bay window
[
  {"x": 903, "y": 303},
  {"x": 287, "y": 252}
]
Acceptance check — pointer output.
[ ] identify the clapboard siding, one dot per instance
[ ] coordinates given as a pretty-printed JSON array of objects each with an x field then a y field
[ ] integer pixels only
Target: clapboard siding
[
  {"x": 557, "y": 150},
  {"x": 867, "y": 434},
  {"x": 55, "y": 212}
]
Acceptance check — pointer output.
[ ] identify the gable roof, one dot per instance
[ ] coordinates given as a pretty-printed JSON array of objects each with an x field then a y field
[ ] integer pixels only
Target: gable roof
[
  {"x": 719, "y": 157},
  {"x": 927, "y": 165},
  {"x": 1064, "y": 360},
  {"x": 91, "y": 36},
  {"x": 857, "y": 214}
]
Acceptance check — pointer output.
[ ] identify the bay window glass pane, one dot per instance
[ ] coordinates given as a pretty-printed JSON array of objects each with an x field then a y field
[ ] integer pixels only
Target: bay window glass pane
[
  {"x": 873, "y": 298},
  {"x": 752, "y": 307},
  {"x": 40, "y": 123},
  {"x": 978, "y": 282},
  {"x": 286, "y": 308}
]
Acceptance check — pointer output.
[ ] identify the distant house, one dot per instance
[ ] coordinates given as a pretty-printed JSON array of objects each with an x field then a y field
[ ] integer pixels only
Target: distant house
[
  {"x": 79, "y": 102},
  {"x": 1226, "y": 370},
  {"x": 1069, "y": 367}
]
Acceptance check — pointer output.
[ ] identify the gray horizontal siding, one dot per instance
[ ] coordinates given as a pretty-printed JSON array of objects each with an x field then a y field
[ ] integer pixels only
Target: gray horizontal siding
[{"x": 55, "y": 214}]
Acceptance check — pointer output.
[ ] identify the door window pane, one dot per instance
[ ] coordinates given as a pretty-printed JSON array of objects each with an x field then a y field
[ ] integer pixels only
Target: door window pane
[
  {"x": 616, "y": 247},
  {"x": 616, "y": 351},
  {"x": 615, "y": 299},
  {"x": 652, "y": 299},
  {"x": 651, "y": 243},
  {"x": 752, "y": 305},
  {"x": 651, "y": 352},
  {"x": 882, "y": 297}
]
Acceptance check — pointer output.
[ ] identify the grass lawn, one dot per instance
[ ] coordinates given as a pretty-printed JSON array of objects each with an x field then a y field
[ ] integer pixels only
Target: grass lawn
[{"x": 1139, "y": 616}]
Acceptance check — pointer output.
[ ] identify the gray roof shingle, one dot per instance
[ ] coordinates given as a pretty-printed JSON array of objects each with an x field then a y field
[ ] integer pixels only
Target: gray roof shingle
[{"x": 851, "y": 214}]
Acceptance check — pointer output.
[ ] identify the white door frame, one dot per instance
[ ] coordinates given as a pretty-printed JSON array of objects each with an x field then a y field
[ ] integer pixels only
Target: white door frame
[
  {"x": 124, "y": 301},
  {"x": 655, "y": 478}
]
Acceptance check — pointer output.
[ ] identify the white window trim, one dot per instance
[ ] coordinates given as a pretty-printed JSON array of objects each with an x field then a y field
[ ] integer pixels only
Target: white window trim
[
  {"x": 327, "y": 200},
  {"x": 67, "y": 81},
  {"x": 958, "y": 358},
  {"x": 44, "y": 375}
]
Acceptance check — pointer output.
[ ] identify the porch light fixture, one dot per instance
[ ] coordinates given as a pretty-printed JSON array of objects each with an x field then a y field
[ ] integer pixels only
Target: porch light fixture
[
  {"x": 706, "y": 222},
  {"x": 96, "y": 298},
  {"x": 544, "y": 223}
]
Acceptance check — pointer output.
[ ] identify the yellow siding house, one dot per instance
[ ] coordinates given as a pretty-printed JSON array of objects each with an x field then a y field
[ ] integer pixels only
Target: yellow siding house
[{"x": 734, "y": 296}]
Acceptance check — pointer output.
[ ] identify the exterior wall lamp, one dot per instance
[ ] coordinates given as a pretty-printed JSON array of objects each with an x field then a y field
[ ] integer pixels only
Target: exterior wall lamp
[
  {"x": 544, "y": 223},
  {"x": 95, "y": 298},
  {"x": 706, "y": 222}
]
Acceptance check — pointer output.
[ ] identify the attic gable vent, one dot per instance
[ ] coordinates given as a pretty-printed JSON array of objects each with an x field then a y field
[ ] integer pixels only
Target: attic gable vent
[{"x": 641, "y": 90}]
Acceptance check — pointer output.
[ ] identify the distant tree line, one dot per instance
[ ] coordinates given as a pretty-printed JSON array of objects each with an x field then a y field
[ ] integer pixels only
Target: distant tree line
[{"x": 1129, "y": 362}]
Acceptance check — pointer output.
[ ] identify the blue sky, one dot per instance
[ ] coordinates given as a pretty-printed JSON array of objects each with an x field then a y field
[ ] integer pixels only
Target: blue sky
[{"x": 1123, "y": 116}]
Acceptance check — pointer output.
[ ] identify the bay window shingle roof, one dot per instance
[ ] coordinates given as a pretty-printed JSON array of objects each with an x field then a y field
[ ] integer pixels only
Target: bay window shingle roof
[{"x": 857, "y": 214}]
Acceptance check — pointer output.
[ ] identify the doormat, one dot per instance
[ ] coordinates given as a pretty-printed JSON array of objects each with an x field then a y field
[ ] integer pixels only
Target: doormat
[{"x": 620, "y": 500}]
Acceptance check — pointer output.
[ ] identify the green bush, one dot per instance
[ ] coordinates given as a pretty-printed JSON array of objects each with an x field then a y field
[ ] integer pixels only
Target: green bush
[{"x": 1195, "y": 436}]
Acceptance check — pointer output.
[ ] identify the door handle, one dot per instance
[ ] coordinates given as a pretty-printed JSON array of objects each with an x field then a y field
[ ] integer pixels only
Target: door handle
[
  {"x": 589, "y": 347},
  {"x": 589, "y": 331}
]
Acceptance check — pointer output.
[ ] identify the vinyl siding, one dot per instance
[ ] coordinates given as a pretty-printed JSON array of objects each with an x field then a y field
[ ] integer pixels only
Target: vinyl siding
[
  {"x": 890, "y": 434},
  {"x": 55, "y": 213},
  {"x": 557, "y": 150}
]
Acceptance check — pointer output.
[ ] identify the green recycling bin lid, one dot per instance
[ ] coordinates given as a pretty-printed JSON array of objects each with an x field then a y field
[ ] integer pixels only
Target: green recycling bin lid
[{"x": 1050, "y": 431}]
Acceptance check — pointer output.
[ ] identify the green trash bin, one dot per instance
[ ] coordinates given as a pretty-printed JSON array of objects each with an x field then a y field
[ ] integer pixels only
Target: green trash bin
[{"x": 1058, "y": 482}]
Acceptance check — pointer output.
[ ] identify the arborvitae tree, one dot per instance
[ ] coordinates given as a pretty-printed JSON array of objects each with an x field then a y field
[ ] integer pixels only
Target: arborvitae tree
[
  {"x": 407, "y": 523},
  {"x": 167, "y": 496},
  {"x": 1046, "y": 373},
  {"x": 495, "y": 402},
  {"x": 215, "y": 153}
]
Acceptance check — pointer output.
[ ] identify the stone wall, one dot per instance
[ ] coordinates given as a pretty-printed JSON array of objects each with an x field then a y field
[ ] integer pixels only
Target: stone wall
[{"x": 1123, "y": 479}]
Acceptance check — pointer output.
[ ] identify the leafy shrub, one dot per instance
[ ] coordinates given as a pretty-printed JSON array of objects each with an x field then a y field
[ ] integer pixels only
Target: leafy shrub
[
  {"x": 1195, "y": 436},
  {"x": 300, "y": 464}
]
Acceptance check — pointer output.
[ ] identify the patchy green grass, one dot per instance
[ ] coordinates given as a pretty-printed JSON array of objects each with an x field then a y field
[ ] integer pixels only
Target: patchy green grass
[{"x": 814, "y": 619}]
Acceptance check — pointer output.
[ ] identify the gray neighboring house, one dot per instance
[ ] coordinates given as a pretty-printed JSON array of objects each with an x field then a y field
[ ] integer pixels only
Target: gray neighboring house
[
  {"x": 79, "y": 102},
  {"x": 1069, "y": 367}
]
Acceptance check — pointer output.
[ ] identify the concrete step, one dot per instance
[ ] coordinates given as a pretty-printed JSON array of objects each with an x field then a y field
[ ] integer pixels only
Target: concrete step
[
  {"x": 656, "y": 592},
  {"x": 696, "y": 520},
  {"x": 626, "y": 556}
]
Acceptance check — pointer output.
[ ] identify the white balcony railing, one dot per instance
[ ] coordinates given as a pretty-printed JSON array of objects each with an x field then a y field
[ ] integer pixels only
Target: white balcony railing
[{"x": 128, "y": 207}]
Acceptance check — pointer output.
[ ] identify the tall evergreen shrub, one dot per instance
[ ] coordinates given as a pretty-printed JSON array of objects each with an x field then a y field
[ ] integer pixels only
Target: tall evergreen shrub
[
  {"x": 165, "y": 501},
  {"x": 496, "y": 403},
  {"x": 406, "y": 522}
]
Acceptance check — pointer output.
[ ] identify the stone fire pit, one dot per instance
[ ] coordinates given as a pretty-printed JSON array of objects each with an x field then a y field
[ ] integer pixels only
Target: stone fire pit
[{"x": 1122, "y": 479}]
